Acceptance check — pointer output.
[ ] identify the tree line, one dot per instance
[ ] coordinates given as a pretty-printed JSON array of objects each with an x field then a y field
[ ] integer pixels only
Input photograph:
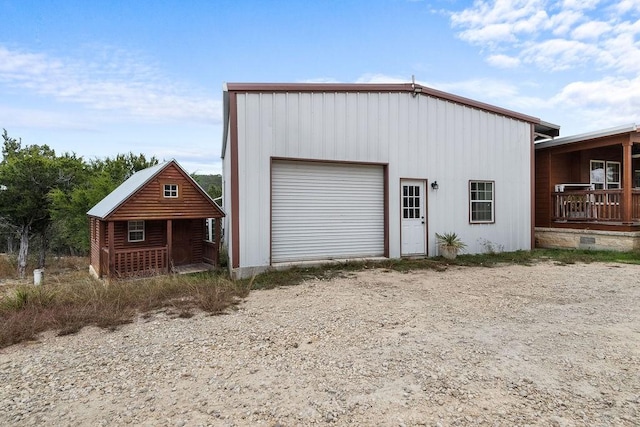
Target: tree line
[{"x": 44, "y": 197}]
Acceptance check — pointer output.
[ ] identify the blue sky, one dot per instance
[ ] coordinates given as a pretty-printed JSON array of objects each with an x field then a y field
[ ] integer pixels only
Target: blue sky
[{"x": 103, "y": 77}]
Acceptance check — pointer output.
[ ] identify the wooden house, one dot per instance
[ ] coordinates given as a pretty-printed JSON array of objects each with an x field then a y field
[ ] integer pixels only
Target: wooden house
[
  {"x": 318, "y": 172},
  {"x": 154, "y": 222},
  {"x": 588, "y": 190}
]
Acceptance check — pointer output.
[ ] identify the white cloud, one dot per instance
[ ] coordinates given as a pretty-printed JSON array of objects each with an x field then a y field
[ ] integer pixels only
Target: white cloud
[
  {"x": 320, "y": 80},
  {"x": 625, "y": 6},
  {"x": 115, "y": 81},
  {"x": 503, "y": 61},
  {"x": 580, "y": 4},
  {"x": 382, "y": 78},
  {"x": 601, "y": 103},
  {"x": 43, "y": 119},
  {"x": 559, "y": 54},
  {"x": 590, "y": 30},
  {"x": 554, "y": 35},
  {"x": 500, "y": 21}
]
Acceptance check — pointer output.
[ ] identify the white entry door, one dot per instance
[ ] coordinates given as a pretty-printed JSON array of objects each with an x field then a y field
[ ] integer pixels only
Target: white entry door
[{"x": 413, "y": 221}]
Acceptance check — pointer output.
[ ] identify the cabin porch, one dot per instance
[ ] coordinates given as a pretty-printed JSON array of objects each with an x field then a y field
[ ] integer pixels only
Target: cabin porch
[
  {"x": 179, "y": 246},
  {"x": 152, "y": 261}
]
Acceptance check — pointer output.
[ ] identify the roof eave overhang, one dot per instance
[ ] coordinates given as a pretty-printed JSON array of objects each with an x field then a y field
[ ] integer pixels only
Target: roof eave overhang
[{"x": 573, "y": 139}]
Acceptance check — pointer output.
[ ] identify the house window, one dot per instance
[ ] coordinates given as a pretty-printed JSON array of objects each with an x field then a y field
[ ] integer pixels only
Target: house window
[
  {"x": 171, "y": 191},
  {"x": 636, "y": 178},
  {"x": 605, "y": 175},
  {"x": 411, "y": 201},
  {"x": 481, "y": 202},
  {"x": 136, "y": 231}
]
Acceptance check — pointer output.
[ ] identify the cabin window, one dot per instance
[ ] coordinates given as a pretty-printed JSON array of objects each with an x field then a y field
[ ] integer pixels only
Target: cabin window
[
  {"x": 481, "y": 209},
  {"x": 171, "y": 191},
  {"x": 136, "y": 231},
  {"x": 605, "y": 175}
]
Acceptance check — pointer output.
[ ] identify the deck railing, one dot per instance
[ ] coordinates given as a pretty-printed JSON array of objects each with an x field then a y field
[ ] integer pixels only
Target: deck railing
[
  {"x": 138, "y": 261},
  {"x": 591, "y": 205},
  {"x": 635, "y": 205}
]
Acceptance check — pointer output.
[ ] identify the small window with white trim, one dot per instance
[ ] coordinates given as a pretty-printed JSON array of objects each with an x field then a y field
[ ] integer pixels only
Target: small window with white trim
[
  {"x": 171, "y": 191},
  {"x": 481, "y": 208},
  {"x": 136, "y": 231}
]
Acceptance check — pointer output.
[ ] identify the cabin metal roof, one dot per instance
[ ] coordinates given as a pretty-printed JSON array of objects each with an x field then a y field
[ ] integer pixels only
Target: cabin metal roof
[
  {"x": 125, "y": 190},
  {"x": 133, "y": 184}
]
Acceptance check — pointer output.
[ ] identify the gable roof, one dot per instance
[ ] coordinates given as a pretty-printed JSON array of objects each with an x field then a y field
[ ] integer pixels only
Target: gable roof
[{"x": 133, "y": 184}]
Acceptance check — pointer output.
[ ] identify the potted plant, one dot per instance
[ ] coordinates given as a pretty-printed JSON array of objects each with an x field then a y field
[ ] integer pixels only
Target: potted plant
[{"x": 450, "y": 244}]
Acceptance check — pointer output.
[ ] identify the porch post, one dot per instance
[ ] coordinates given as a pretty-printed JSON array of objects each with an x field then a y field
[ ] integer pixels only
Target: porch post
[
  {"x": 627, "y": 176},
  {"x": 169, "y": 244},
  {"x": 218, "y": 239},
  {"x": 112, "y": 247}
]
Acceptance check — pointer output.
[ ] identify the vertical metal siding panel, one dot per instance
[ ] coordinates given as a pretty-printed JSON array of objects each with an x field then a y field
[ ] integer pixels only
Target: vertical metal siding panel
[
  {"x": 351, "y": 127},
  {"x": 249, "y": 167},
  {"x": 280, "y": 136},
  {"x": 292, "y": 120},
  {"x": 318, "y": 126},
  {"x": 262, "y": 245},
  {"x": 242, "y": 185},
  {"x": 226, "y": 195},
  {"x": 304, "y": 124},
  {"x": 373, "y": 136},
  {"x": 340, "y": 120},
  {"x": 395, "y": 157},
  {"x": 328, "y": 126},
  {"x": 255, "y": 118}
]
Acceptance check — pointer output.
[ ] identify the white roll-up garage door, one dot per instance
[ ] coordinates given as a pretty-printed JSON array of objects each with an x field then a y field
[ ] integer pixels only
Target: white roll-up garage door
[{"x": 326, "y": 211}]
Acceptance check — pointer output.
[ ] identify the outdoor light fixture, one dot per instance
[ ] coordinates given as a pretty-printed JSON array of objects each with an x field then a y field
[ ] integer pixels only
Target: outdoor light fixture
[{"x": 434, "y": 185}]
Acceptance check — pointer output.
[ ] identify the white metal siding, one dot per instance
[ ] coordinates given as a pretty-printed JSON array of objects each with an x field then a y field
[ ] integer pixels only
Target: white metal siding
[
  {"x": 326, "y": 211},
  {"x": 419, "y": 138}
]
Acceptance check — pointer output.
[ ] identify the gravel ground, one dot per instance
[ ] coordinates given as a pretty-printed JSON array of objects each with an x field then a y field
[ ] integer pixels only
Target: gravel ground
[{"x": 513, "y": 345}]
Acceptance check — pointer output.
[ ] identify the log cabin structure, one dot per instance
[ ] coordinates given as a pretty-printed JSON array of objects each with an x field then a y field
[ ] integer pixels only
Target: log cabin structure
[
  {"x": 588, "y": 190},
  {"x": 156, "y": 221}
]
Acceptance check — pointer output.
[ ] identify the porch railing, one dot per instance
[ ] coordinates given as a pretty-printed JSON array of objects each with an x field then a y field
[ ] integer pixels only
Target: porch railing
[
  {"x": 138, "y": 261},
  {"x": 591, "y": 205},
  {"x": 635, "y": 205}
]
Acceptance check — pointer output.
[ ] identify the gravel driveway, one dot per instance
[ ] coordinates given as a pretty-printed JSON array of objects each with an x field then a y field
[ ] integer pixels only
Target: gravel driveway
[{"x": 514, "y": 345}]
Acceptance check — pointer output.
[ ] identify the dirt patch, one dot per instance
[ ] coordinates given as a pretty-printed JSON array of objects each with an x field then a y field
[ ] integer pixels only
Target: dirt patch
[{"x": 513, "y": 345}]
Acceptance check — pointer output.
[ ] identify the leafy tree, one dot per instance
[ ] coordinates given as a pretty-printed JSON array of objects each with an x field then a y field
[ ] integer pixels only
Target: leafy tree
[
  {"x": 212, "y": 184},
  {"x": 27, "y": 175},
  {"x": 70, "y": 205}
]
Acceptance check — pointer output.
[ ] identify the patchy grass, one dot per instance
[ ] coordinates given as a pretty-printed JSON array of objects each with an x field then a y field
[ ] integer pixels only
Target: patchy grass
[
  {"x": 8, "y": 266},
  {"x": 70, "y": 299},
  {"x": 296, "y": 275}
]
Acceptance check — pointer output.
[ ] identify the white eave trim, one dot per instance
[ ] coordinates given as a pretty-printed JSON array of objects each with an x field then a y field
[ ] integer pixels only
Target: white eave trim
[{"x": 586, "y": 136}]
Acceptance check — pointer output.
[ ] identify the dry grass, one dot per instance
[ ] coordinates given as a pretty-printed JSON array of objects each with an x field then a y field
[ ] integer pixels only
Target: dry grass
[
  {"x": 70, "y": 300},
  {"x": 7, "y": 267}
]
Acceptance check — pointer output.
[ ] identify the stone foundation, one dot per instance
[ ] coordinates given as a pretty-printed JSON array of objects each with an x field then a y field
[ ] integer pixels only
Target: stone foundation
[{"x": 565, "y": 238}]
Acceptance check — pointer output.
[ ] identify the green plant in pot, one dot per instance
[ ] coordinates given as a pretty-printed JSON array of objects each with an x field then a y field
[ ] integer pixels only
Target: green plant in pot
[{"x": 450, "y": 244}]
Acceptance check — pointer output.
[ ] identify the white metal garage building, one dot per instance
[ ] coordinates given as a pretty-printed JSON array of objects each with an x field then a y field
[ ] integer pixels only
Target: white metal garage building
[{"x": 316, "y": 172}]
